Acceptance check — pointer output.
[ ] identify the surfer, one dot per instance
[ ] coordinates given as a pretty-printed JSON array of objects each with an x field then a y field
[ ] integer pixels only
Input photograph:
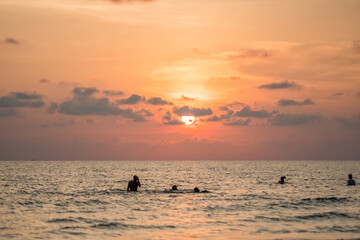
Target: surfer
[
  {"x": 282, "y": 180},
  {"x": 350, "y": 181},
  {"x": 133, "y": 184}
]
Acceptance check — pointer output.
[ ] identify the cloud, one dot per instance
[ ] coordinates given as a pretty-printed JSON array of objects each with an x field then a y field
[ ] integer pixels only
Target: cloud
[
  {"x": 113, "y": 93},
  {"x": 84, "y": 103},
  {"x": 213, "y": 119},
  {"x": 247, "y": 112},
  {"x": 90, "y": 120},
  {"x": 290, "y": 102},
  {"x": 353, "y": 122},
  {"x": 133, "y": 99},
  {"x": 84, "y": 92},
  {"x": 252, "y": 53},
  {"x": 356, "y": 46},
  {"x": 147, "y": 113},
  {"x": 44, "y": 80},
  {"x": 283, "y": 119},
  {"x": 358, "y": 94},
  {"x": 52, "y": 108},
  {"x": 184, "y": 98},
  {"x": 337, "y": 94},
  {"x": 21, "y": 99},
  {"x": 12, "y": 41},
  {"x": 238, "y": 122},
  {"x": 158, "y": 101},
  {"x": 198, "y": 112},
  {"x": 168, "y": 120},
  {"x": 10, "y": 112},
  {"x": 280, "y": 85}
]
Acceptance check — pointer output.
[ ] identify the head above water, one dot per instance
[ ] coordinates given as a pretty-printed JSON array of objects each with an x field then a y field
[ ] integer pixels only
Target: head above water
[
  {"x": 136, "y": 178},
  {"x": 282, "y": 178},
  {"x": 174, "y": 187},
  {"x": 350, "y": 176},
  {"x": 196, "y": 189}
]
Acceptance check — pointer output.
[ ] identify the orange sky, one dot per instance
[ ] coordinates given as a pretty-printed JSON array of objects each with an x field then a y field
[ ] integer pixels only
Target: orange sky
[{"x": 102, "y": 79}]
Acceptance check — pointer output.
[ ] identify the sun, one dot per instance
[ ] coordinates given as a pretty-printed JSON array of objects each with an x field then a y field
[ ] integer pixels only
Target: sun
[{"x": 188, "y": 120}]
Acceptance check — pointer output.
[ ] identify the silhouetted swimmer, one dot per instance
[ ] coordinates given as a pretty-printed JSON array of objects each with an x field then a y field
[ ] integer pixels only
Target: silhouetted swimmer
[
  {"x": 133, "y": 184},
  {"x": 350, "y": 181},
  {"x": 198, "y": 190},
  {"x": 174, "y": 188},
  {"x": 282, "y": 180}
]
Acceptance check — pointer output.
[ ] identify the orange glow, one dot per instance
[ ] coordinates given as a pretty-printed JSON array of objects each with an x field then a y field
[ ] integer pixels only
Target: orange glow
[{"x": 188, "y": 120}]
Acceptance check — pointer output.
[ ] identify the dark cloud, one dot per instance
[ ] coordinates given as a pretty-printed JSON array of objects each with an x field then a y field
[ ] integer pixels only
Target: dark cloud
[
  {"x": 133, "y": 99},
  {"x": 358, "y": 94},
  {"x": 84, "y": 92},
  {"x": 84, "y": 103},
  {"x": 247, "y": 112},
  {"x": 353, "y": 122},
  {"x": 147, "y": 113},
  {"x": 184, "y": 98},
  {"x": 173, "y": 122},
  {"x": 12, "y": 41},
  {"x": 168, "y": 120},
  {"x": 158, "y": 101},
  {"x": 52, "y": 108},
  {"x": 45, "y": 126},
  {"x": 26, "y": 96},
  {"x": 290, "y": 102},
  {"x": 238, "y": 122},
  {"x": 21, "y": 99},
  {"x": 9, "y": 112},
  {"x": 186, "y": 110},
  {"x": 280, "y": 85},
  {"x": 113, "y": 93},
  {"x": 44, "y": 80},
  {"x": 228, "y": 113},
  {"x": 283, "y": 119},
  {"x": 213, "y": 119}
]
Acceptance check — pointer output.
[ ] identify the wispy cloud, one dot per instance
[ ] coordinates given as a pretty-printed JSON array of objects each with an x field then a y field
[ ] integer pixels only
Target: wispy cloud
[
  {"x": 21, "y": 99},
  {"x": 284, "y": 119},
  {"x": 280, "y": 85},
  {"x": 11, "y": 41},
  {"x": 186, "y": 110},
  {"x": 291, "y": 102},
  {"x": 133, "y": 99}
]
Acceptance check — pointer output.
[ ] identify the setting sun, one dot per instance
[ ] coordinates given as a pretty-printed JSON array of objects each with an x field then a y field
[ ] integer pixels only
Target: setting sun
[{"x": 188, "y": 120}]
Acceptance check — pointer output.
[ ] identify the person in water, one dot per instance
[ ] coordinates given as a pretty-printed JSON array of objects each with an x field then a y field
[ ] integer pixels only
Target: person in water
[
  {"x": 350, "y": 181},
  {"x": 133, "y": 184},
  {"x": 174, "y": 188},
  {"x": 282, "y": 180},
  {"x": 198, "y": 190}
]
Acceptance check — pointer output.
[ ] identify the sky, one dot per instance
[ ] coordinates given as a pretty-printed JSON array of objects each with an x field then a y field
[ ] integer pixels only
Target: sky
[{"x": 111, "y": 79}]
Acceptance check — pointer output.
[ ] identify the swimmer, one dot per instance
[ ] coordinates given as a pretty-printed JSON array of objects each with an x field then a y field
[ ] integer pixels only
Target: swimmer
[
  {"x": 198, "y": 190},
  {"x": 133, "y": 184},
  {"x": 282, "y": 180},
  {"x": 174, "y": 188},
  {"x": 350, "y": 181}
]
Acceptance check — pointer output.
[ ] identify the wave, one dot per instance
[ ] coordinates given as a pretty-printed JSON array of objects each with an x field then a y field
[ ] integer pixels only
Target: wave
[{"x": 61, "y": 220}]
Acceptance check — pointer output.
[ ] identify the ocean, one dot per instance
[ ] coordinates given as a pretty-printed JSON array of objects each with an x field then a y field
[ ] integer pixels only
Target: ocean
[{"x": 88, "y": 200}]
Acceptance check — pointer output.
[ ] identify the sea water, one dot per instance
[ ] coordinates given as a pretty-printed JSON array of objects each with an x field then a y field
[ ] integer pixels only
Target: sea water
[{"x": 88, "y": 200}]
